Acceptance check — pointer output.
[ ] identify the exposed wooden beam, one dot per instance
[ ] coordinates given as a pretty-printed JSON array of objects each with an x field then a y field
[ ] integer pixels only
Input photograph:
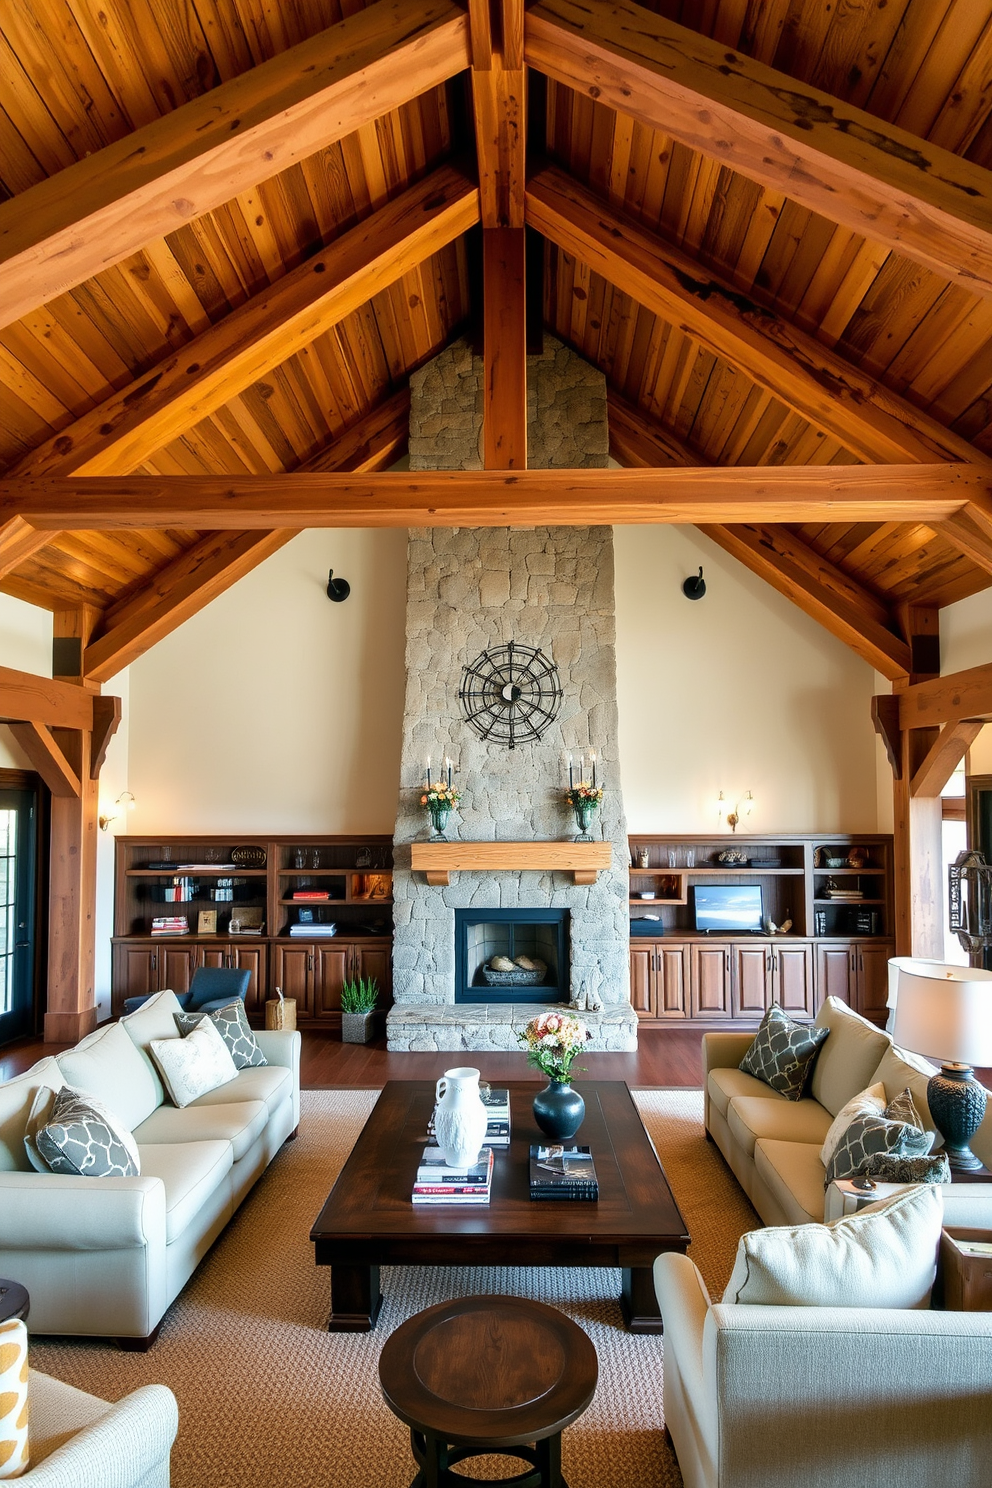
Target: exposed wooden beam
[
  {"x": 970, "y": 531},
  {"x": 885, "y": 718},
  {"x": 504, "y": 349},
  {"x": 122, "y": 432},
  {"x": 637, "y": 442},
  {"x": 47, "y": 758},
  {"x": 873, "y": 423},
  {"x": 848, "y": 165},
  {"x": 498, "y": 105},
  {"x": 948, "y": 699},
  {"x": 844, "y": 608},
  {"x": 107, "y": 714},
  {"x": 199, "y": 575},
  {"x": 25, "y": 698},
  {"x": 487, "y": 498},
  {"x": 18, "y": 540},
  {"x": 944, "y": 756},
  {"x": 96, "y": 212}
]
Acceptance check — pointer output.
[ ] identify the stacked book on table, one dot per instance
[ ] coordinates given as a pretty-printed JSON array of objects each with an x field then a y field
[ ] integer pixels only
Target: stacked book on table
[
  {"x": 563, "y": 1173},
  {"x": 436, "y": 1183},
  {"x": 170, "y": 925}
]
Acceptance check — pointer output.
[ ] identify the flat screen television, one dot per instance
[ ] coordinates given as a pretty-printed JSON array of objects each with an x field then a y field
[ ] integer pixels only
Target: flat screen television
[{"x": 735, "y": 907}]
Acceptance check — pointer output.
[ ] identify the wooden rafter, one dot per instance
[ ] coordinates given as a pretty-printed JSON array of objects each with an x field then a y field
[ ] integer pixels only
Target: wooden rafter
[
  {"x": 199, "y": 575},
  {"x": 18, "y": 540},
  {"x": 847, "y": 493},
  {"x": 839, "y": 161},
  {"x": 872, "y": 422},
  {"x": 637, "y": 442},
  {"x": 947, "y": 699},
  {"x": 121, "y": 433},
  {"x": 944, "y": 756},
  {"x": 47, "y": 758},
  {"x": 970, "y": 531},
  {"x": 96, "y": 212},
  {"x": 498, "y": 105}
]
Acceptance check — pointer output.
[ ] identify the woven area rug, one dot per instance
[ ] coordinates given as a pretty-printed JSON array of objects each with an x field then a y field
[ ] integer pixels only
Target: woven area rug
[{"x": 269, "y": 1399}]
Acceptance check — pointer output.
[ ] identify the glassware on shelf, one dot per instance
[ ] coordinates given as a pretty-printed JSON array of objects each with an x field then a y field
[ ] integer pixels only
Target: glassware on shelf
[
  {"x": 315, "y": 858},
  {"x": 673, "y": 857},
  {"x": 690, "y": 857},
  {"x": 300, "y": 858}
]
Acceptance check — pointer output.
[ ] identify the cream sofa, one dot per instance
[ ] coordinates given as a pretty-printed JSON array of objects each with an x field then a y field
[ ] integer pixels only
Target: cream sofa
[
  {"x": 773, "y": 1144},
  {"x": 108, "y": 1255},
  {"x": 80, "y": 1441}
]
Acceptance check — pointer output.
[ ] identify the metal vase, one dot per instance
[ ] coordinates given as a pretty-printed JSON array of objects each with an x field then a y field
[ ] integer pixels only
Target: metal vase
[{"x": 559, "y": 1110}]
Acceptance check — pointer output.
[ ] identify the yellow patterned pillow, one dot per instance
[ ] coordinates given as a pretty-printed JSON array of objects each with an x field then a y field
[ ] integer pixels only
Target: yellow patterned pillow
[{"x": 13, "y": 1399}]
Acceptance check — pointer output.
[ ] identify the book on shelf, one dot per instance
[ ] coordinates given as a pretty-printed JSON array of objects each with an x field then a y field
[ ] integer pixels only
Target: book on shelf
[
  {"x": 497, "y": 1104},
  {"x": 562, "y": 1173},
  {"x": 436, "y": 1183},
  {"x": 170, "y": 925},
  {"x": 305, "y": 894},
  {"x": 314, "y": 931}
]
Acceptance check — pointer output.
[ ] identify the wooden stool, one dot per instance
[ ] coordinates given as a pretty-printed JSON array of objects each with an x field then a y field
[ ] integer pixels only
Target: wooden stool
[{"x": 488, "y": 1376}]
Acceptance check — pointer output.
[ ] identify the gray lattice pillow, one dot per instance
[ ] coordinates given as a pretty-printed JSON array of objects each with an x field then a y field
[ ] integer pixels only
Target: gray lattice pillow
[
  {"x": 897, "y": 1133},
  {"x": 232, "y": 1024},
  {"x": 83, "y": 1138},
  {"x": 783, "y": 1052}
]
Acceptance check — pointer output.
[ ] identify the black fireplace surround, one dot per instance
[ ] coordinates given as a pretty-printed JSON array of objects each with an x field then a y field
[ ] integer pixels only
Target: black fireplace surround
[{"x": 480, "y": 934}]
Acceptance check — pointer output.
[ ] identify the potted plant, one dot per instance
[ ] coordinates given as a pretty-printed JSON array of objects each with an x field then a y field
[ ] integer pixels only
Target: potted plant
[{"x": 358, "y": 999}]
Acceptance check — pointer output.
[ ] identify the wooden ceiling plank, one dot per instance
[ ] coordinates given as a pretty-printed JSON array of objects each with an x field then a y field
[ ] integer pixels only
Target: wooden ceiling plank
[
  {"x": 95, "y": 212},
  {"x": 950, "y": 699},
  {"x": 838, "y": 398},
  {"x": 870, "y": 493},
  {"x": 27, "y": 698},
  {"x": 970, "y": 531},
  {"x": 228, "y": 358},
  {"x": 944, "y": 756},
  {"x": 47, "y": 758},
  {"x": 638, "y": 442},
  {"x": 849, "y": 166},
  {"x": 19, "y": 540}
]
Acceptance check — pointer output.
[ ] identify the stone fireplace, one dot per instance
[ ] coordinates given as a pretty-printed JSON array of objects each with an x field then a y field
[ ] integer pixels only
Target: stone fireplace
[{"x": 542, "y": 935}]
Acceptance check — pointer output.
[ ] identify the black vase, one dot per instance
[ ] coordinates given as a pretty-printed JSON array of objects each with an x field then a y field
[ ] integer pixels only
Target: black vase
[{"x": 559, "y": 1110}]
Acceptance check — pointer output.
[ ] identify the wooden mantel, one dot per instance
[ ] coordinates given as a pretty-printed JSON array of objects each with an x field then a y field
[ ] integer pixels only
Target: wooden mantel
[{"x": 438, "y": 860}]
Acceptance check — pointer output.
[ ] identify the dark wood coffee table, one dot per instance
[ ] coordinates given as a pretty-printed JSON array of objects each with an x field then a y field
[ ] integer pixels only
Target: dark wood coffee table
[{"x": 369, "y": 1221}]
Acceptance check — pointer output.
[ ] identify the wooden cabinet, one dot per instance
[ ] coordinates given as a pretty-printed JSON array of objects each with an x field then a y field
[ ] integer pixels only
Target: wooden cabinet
[
  {"x": 710, "y": 980},
  {"x": 753, "y": 977},
  {"x": 314, "y": 972},
  {"x": 792, "y": 978},
  {"x": 659, "y": 983},
  {"x": 858, "y": 974}
]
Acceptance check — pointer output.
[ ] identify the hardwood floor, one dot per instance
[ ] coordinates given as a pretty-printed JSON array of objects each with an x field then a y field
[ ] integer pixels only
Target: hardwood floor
[{"x": 664, "y": 1057}]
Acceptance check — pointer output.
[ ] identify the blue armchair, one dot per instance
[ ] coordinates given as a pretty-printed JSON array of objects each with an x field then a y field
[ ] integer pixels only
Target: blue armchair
[{"x": 211, "y": 987}]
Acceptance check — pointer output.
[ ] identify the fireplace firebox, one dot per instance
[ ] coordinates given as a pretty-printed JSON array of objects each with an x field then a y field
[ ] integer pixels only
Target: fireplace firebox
[{"x": 540, "y": 934}]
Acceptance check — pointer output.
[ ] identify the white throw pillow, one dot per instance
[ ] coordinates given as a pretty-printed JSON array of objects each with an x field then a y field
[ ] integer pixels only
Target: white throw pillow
[
  {"x": 870, "y": 1102},
  {"x": 883, "y": 1256},
  {"x": 194, "y": 1065}
]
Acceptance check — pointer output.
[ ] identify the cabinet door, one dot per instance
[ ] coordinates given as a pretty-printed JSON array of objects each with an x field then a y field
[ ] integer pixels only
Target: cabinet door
[
  {"x": 642, "y": 979},
  {"x": 710, "y": 980},
  {"x": 671, "y": 995},
  {"x": 873, "y": 981},
  {"x": 251, "y": 958},
  {"x": 793, "y": 987},
  {"x": 376, "y": 961},
  {"x": 213, "y": 955},
  {"x": 753, "y": 968},
  {"x": 293, "y": 973},
  {"x": 835, "y": 973},
  {"x": 333, "y": 966},
  {"x": 135, "y": 973},
  {"x": 176, "y": 965}
]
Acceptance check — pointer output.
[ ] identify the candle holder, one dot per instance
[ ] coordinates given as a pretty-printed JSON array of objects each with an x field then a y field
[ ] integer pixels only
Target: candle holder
[
  {"x": 439, "y": 800},
  {"x": 584, "y": 800}
]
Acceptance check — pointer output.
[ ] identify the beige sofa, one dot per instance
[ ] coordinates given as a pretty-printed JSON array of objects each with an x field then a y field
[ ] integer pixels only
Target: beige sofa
[
  {"x": 773, "y": 1144},
  {"x": 108, "y": 1255},
  {"x": 80, "y": 1441}
]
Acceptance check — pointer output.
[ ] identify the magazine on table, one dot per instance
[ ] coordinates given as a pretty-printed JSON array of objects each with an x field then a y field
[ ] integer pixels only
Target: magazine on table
[
  {"x": 437, "y": 1183},
  {"x": 558, "y": 1172}
]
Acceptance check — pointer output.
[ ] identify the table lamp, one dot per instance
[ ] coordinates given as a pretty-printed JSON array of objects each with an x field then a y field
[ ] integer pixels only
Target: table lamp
[{"x": 945, "y": 1012}]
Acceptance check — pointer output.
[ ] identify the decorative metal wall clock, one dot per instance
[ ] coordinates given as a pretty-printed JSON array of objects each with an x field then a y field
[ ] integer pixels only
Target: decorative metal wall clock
[{"x": 511, "y": 694}]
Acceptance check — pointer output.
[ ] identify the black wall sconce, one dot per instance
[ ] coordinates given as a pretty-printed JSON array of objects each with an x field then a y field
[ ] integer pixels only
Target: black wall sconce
[
  {"x": 337, "y": 589},
  {"x": 694, "y": 588}
]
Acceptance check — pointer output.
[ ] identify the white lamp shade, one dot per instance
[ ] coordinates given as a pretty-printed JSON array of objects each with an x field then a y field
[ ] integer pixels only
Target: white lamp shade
[
  {"x": 945, "y": 1013},
  {"x": 915, "y": 964}
]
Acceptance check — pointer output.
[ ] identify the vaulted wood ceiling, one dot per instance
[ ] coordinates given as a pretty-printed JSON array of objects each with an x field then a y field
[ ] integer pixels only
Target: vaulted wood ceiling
[{"x": 231, "y": 229}]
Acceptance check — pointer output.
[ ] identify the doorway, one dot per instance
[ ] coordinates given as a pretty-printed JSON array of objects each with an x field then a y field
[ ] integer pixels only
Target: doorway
[{"x": 19, "y": 813}]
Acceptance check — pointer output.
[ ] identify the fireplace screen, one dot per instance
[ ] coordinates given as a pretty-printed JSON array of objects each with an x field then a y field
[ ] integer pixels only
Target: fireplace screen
[{"x": 537, "y": 938}]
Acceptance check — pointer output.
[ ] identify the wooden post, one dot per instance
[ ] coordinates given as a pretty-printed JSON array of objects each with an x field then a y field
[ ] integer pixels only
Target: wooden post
[
  {"x": 505, "y": 349},
  {"x": 916, "y": 820},
  {"x": 71, "y": 1010}
]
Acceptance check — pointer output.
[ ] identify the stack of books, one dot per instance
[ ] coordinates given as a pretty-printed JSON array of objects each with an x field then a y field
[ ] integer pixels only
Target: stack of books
[
  {"x": 311, "y": 894},
  {"x": 848, "y": 896},
  {"x": 436, "y": 1183},
  {"x": 563, "y": 1173},
  {"x": 170, "y": 925},
  {"x": 313, "y": 930},
  {"x": 497, "y": 1104}
]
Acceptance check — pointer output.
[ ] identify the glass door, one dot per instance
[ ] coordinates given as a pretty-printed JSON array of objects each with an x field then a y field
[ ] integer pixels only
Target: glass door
[{"x": 18, "y": 847}]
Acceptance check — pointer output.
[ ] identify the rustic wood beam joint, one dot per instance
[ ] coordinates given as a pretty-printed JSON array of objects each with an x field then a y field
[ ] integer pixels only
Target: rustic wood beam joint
[
  {"x": 944, "y": 756},
  {"x": 950, "y": 699},
  {"x": 47, "y": 758},
  {"x": 27, "y": 698},
  {"x": 885, "y": 718}
]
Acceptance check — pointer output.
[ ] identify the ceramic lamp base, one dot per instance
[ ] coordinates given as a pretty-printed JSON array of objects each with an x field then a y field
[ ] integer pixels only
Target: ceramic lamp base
[{"x": 957, "y": 1104}]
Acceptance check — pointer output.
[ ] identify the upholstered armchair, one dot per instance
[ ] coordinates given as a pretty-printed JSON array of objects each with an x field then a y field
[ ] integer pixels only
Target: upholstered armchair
[
  {"x": 79, "y": 1441},
  {"x": 210, "y": 988}
]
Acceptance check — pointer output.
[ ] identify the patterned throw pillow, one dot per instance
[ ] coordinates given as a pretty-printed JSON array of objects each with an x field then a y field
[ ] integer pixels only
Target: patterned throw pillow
[
  {"x": 782, "y": 1053},
  {"x": 897, "y": 1133},
  {"x": 870, "y": 1102},
  {"x": 232, "y": 1024},
  {"x": 194, "y": 1065},
  {"x": 934, "y": 1168},
  {"x": 83, "y": 1138}
]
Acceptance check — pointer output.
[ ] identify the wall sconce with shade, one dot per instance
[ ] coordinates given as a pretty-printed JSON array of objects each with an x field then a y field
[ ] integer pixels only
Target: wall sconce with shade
[
  {"x": 125, "y": 802},
  {"x": 945, "y": 1012},
  {"x": 739, "y": 813}
]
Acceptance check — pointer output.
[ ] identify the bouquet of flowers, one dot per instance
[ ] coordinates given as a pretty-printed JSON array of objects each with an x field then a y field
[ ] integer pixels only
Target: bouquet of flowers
[
  {"x": 552, "y": 1041},
  {"x": 584, "y": 794},
  {"x": 440, "y": 797}
]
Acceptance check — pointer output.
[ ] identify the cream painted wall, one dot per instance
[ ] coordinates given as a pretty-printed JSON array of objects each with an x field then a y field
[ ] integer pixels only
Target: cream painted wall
[
  {"x": 274, "y": 709},
  {"x": 737, "y": 691},
  {"x": 25, "y": 645},
  {"x": 966, "y": 641}
]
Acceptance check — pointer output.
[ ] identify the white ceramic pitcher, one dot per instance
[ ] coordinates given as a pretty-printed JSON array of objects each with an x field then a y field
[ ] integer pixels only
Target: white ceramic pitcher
[{"x": 460, "y": 1118}]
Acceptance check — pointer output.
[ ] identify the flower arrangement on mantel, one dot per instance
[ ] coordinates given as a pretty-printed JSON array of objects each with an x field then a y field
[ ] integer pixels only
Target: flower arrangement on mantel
[
  {"x": 584, "y": 794},
  {"x": 552, "y": 1041}
]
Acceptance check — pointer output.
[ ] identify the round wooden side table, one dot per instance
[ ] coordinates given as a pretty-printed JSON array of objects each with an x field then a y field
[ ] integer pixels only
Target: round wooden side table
[
  {"x": 14, "y": 1300},
  {"x": 482, "y": 1376}
]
